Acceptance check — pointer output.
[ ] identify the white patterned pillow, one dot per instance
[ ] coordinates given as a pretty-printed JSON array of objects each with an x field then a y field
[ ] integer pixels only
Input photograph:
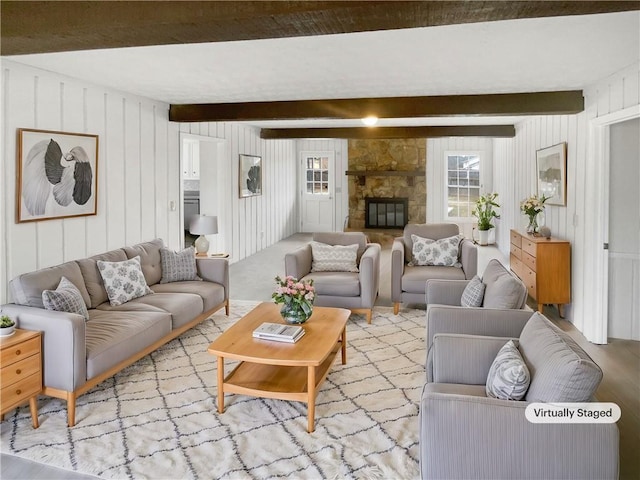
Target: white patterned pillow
[
  {"x": 178, "y": 266},
  {"x": 443, "y": 252},
  {"x": 508, "y": 377},
  {"x": 334, "y": 258},
  {"x": 473, "y": 293},
  {"x": 65, "y": 298},
  {"x": 124, "y": 280}
]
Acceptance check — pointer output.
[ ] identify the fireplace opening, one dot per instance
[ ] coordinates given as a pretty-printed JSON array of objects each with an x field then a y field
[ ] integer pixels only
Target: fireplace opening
[{"x": 386, "y": 212}]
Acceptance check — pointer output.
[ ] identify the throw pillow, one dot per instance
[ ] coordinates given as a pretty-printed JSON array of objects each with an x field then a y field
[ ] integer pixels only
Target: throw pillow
[
  {"x": 443, "y": 252},
  {"x": 506, "y": 292},
  {"x": 178, "y": 266},
  {"x": 65, "y": 298},
  {"x": 333, "y": 258},
  {"x": 508, "y": 377},
  {"x": 123, "y": 281},
  {"x": 473, "y": 293}
]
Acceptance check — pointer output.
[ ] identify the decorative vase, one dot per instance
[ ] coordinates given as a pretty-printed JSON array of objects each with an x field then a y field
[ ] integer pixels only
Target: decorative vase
[
  {"x": 7, "y": 331},
  {"x": 533, "y": 224},
  {"x": 483, "y": 237},
  {"x": 294, "y": 314}
]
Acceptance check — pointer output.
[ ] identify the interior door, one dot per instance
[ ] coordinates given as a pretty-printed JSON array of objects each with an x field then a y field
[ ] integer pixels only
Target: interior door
[
  {"x": 624, "y": 231},
  {"x": 317, "y": 193}
]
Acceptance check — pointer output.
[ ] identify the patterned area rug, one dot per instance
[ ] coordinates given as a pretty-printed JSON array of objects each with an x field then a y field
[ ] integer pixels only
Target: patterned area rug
[{"x": 158, "y": 418}]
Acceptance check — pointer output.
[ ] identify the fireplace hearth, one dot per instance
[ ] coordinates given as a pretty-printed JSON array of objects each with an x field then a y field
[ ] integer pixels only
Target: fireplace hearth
[{"x": 386, "y": 212}]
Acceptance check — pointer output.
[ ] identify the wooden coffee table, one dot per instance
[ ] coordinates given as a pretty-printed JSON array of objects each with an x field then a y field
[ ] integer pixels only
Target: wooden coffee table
[{"x": 286, "y": 371}]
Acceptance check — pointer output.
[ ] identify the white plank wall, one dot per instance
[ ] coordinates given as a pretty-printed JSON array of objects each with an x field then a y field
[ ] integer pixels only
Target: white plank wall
[
  {"x": 138, "y": 174},
  {"x": 341, "y": 181},
  {"x": 436, "y": 174},
  {"x": 260, "y": 221},
  {"x": 514, "y": 178}
]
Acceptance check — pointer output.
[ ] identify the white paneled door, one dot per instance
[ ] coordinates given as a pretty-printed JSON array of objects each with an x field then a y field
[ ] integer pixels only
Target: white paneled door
[{"x": 317, "y": 191}]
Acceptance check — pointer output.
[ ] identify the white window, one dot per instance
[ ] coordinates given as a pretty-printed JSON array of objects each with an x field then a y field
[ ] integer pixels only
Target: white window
[
  {"x": 463, "y": 183},
  {"x": 317, "y": 175}
]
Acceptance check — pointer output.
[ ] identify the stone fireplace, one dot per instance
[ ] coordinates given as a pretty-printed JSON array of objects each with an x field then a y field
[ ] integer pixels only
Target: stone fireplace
[{"x": 390, "y": 170}]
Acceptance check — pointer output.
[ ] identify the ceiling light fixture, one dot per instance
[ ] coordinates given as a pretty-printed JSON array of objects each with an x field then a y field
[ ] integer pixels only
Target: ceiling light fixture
[{"x": 370, "y": 121}]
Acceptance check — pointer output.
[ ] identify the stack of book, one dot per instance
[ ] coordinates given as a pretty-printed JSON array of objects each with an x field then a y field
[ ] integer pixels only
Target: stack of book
[{"x": 279, "y": 332}]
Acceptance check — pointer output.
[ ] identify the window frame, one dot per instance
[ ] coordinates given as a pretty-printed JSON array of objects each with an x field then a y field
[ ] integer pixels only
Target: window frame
[{"x": 450, "y": 153}]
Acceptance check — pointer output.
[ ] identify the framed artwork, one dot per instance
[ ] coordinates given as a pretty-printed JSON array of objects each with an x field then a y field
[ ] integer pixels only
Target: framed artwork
[
  {"x": 551, "y": 170},
  {"x": 250, "y": 175},
  {"x": 57, "y": 175}
]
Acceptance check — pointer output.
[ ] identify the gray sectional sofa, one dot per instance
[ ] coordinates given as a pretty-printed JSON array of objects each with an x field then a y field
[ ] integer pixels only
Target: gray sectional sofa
[{"x": 79, "y": 354}]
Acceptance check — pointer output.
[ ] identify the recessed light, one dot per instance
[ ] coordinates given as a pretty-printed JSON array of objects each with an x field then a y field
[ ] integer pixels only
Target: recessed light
[{"x": 370, "y": 121}]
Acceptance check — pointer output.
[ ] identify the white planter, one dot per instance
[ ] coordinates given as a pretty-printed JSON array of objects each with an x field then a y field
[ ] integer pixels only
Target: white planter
[
  {"x": 6, "y": 331},
  {"x": 483, "y": 237}
]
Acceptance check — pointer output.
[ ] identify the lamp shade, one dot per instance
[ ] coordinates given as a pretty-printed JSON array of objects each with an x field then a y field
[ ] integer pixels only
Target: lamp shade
[{"x": 203, "y": 225}]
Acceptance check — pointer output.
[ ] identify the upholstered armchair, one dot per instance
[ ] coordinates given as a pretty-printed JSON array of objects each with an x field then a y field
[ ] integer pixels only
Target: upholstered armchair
[
  {"x": 355, "y": 290},
  {"x": 466, "y": 433},
  {"x": 408, "y": 281}
]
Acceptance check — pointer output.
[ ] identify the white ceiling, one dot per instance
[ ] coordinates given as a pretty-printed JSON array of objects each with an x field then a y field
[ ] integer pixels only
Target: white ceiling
[{"x": 529, "y": 55}]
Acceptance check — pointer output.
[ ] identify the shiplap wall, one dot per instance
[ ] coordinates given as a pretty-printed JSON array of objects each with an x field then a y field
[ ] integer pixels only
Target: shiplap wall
[
  {"x": 514, "y": 178},
  {"x": 341, "y": 182},
  {"x": 253, "y": 223},
  {"x": 436, "y": 174},
  {"x": 138, "y": 174}
]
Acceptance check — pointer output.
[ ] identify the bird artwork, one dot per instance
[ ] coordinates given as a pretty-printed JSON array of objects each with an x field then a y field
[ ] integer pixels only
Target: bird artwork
[{"x": 50, "y": 171}]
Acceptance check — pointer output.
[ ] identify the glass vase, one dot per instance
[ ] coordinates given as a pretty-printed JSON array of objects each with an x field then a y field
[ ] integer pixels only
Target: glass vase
[
  {"x": 295, "y": 314},
  {"x": 533, "y": 224}
]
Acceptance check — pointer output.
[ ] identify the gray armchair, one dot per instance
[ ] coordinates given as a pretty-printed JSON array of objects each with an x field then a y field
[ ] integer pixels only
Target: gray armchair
[
  {"x": 408, "y": 282},
  {"x": 465, "y": 434},
  {"x": 356, "y": 291}
]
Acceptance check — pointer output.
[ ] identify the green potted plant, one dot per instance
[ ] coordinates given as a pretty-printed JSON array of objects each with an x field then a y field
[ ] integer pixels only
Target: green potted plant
[
  {"x": 485, "y": 213},
  {"x": 7, "y": 326}
]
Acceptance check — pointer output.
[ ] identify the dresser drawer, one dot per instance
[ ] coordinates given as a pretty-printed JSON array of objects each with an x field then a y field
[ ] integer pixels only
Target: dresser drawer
[
  {"x": 516, "y": 252},
  {"x": 19, "y": 370},
  {"x": 529, "y": 279},
  {"x": 529, "y": 247},
  {"x": 19, "y": 351},
  {"x": 13, "y": 395},
  {"x": 516, "y": 266},
  {"x": 516, "y": 239},
  {"x": 529, "y": 261}
]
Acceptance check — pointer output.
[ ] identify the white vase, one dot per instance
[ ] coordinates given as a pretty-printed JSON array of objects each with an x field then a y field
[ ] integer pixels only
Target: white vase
[{"x": 483, "y": 237}]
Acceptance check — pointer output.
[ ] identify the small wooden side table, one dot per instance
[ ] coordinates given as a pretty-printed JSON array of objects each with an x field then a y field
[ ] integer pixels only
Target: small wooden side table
[{"x": 21, "y": 371}]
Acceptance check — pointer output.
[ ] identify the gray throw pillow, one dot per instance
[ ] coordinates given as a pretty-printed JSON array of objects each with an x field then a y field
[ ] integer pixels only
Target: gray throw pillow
[
  {"x": 473, "y": 293},
  {"x": 123, "y": 281},
  {"x": 334, "y": 258},
  {"x": 506, "y": 292},
  {"x": 508, "y": 377},
  {"x": 178, "y": 266},
  {"x": 442, "y": 252},
  {"x": 65, "y": 298}
]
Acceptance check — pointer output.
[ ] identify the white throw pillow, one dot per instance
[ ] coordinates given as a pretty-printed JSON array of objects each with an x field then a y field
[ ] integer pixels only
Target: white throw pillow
[
  {"x": 124, "y": 280},
  {"x": 334, "y": 258},
  {"x": 508, "y": 377},
  {"x": 443, "y": 252},
  {"x": 473, "y": 293},
  {"x": 178, "y": 266},
  {"x": 65, "y": 298}
]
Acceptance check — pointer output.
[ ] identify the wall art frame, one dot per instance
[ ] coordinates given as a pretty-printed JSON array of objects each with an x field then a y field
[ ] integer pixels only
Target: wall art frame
[
  {"x": 56, "y": 175},
  {"x": 551, "y": 173},
  {"x": 250, "y": 176}
]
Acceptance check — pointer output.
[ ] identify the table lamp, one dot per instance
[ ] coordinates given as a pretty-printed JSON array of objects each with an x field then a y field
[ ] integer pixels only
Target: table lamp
[{"x": 203, "y": 225}]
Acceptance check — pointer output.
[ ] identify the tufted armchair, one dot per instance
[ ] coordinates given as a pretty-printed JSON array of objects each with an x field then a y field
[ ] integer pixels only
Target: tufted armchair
[
  {"x": 356, "y": 291},
  {"x": 408, "y": 282}
]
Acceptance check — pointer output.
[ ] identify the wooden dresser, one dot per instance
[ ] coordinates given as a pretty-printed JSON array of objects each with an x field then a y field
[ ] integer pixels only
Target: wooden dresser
[
  {"x": 544, "y": 265},
  {"x": 21, "y": 371}
]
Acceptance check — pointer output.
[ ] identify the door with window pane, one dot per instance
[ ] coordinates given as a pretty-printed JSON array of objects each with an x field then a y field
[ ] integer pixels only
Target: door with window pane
[
  {"x": 317, "y": 198},
  {"x": 463, "y": 184}
]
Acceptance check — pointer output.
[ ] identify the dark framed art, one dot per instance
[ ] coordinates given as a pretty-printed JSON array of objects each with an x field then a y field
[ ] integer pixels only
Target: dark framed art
[
  {"x": 57, "y": 175},
  {"x": 250, "y": 175},
  {"x": 551, "y": 173}
]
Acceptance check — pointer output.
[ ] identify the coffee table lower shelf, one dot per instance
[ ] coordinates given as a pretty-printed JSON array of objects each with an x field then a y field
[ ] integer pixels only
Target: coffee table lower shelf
[{"x": 283, "y": 382}]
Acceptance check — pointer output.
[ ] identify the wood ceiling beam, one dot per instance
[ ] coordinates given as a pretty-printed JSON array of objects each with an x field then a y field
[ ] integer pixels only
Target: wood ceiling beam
[
  {"x": 57, "y": 26},
  {"x": 494, "y": 131},
  {"x": 541, "y": 103}
]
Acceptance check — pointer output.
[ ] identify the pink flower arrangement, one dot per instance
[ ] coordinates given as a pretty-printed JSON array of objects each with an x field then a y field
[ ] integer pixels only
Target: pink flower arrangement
[{"x": 291, "y": 290}]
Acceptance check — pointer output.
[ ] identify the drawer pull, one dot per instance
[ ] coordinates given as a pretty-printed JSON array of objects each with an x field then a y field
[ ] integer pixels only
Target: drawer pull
[
  {"x": 18, "y": 392},
  {"x": 18, "y": 372},
  {"x": 18, "y": 352}
]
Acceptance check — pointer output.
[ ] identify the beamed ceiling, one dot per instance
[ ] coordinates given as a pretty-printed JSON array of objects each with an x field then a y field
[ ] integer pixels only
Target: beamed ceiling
[{"x": 48, "y": 26}]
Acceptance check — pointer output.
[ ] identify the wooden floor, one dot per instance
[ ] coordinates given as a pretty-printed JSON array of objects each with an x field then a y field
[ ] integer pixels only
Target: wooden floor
[{"x": 253, "y": 279}]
